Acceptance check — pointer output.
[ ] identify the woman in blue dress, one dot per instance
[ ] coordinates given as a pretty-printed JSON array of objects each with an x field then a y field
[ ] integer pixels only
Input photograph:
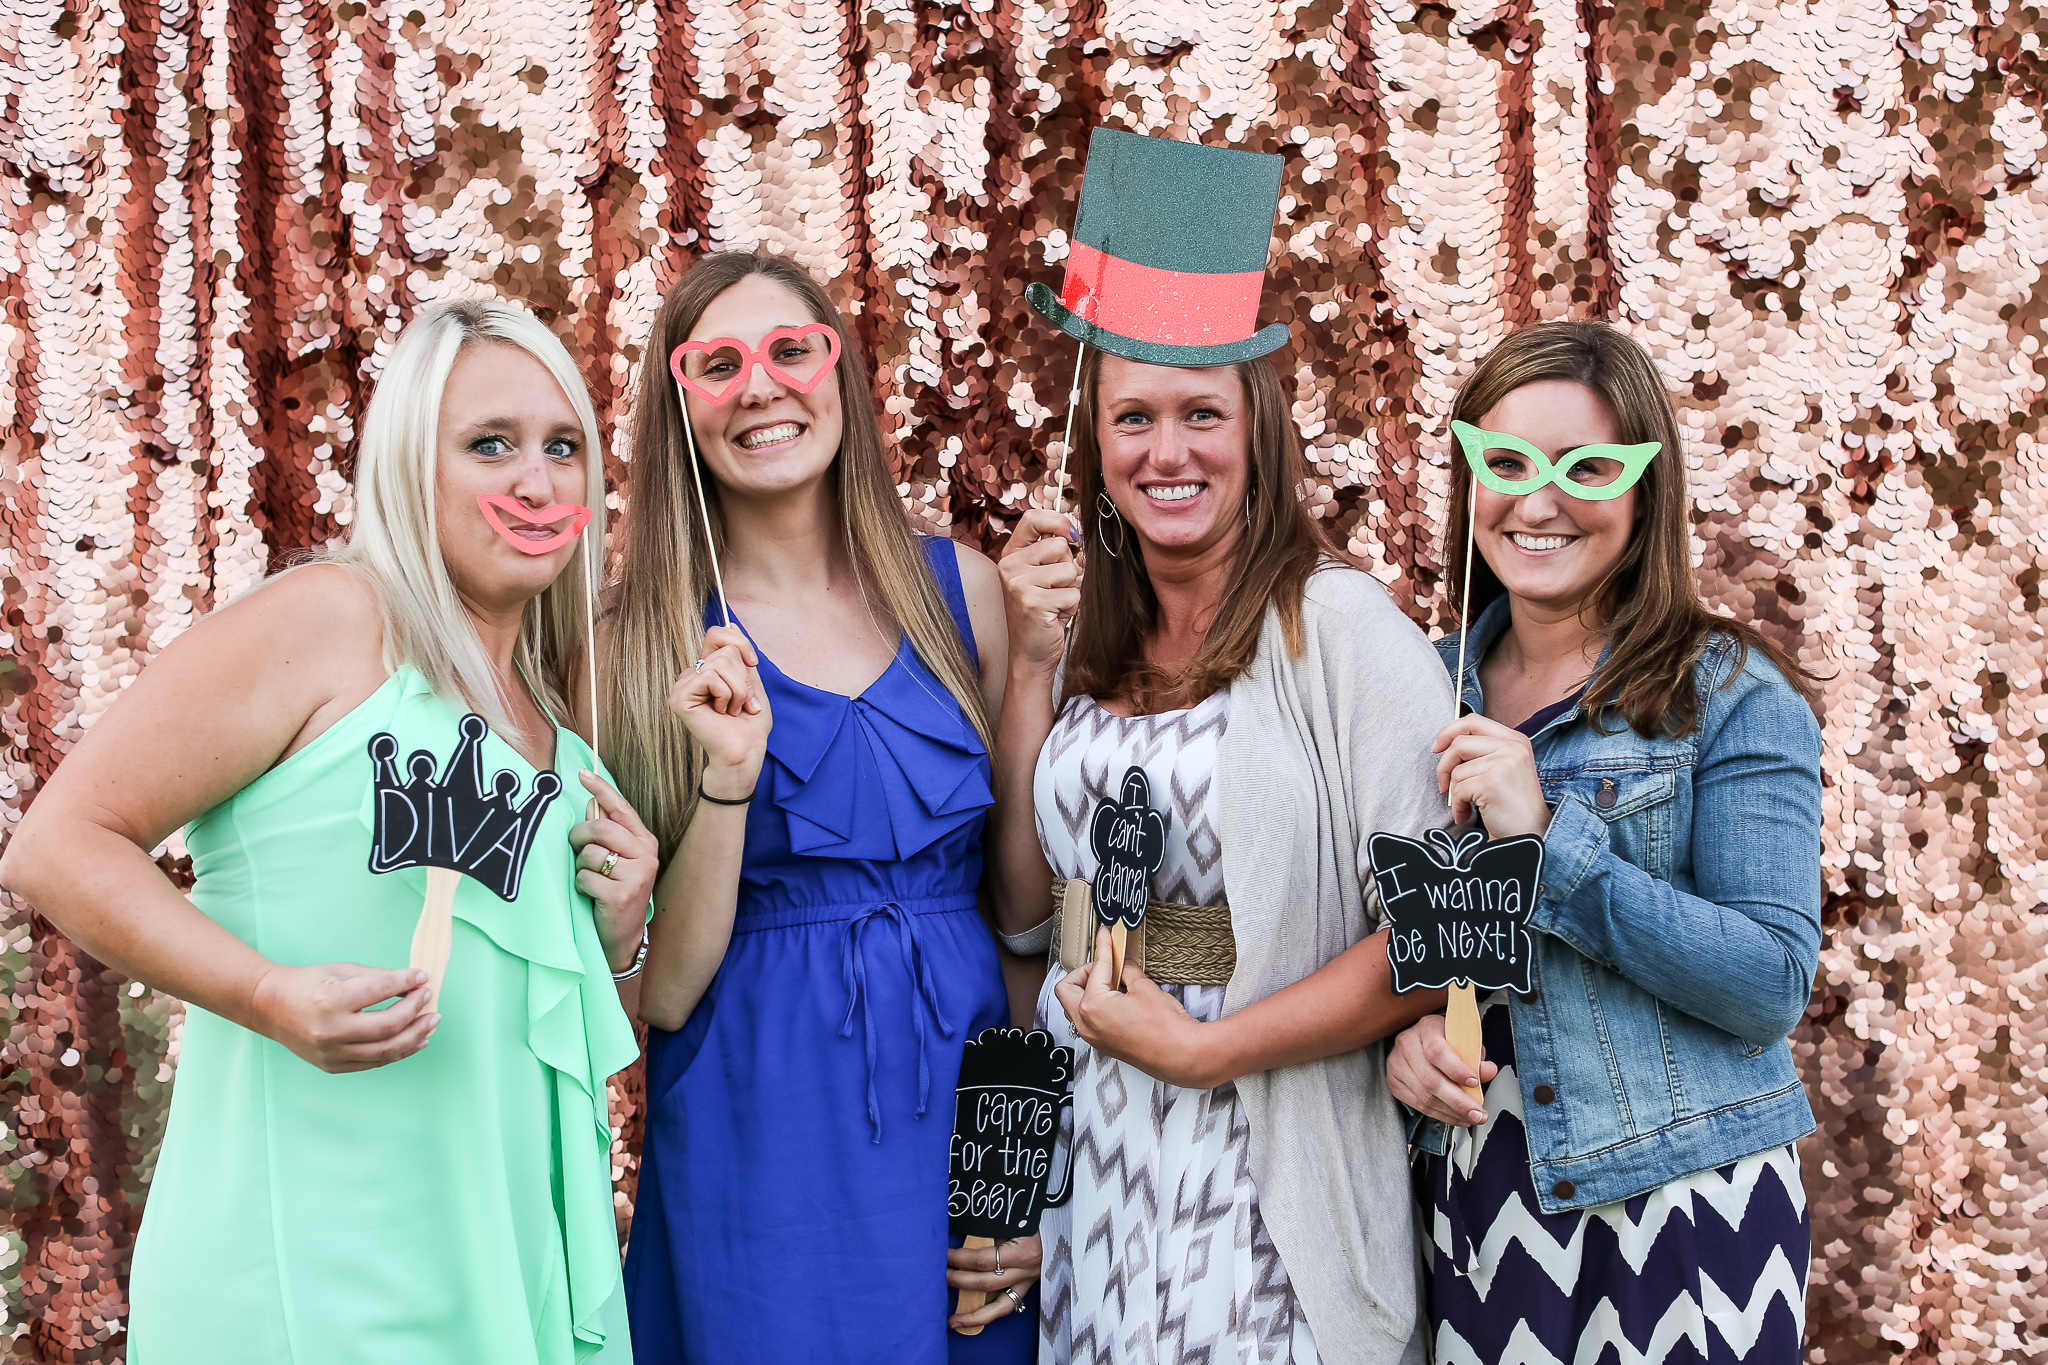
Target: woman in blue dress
[{"x": 804, "y": 717}]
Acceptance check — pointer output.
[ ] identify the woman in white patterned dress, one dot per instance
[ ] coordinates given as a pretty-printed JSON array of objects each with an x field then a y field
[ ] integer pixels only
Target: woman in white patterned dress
[{"x": 1240, "y": 1177}]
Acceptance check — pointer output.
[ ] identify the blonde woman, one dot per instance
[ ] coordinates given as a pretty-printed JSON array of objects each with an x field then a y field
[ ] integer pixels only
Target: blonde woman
[
  {"x": 354, "y": 1168},
  {"x": 818, "y": 777}
]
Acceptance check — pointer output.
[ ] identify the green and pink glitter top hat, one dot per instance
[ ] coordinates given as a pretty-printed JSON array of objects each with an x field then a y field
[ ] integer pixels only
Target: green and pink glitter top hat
[{"x": 1169, "y": 252}]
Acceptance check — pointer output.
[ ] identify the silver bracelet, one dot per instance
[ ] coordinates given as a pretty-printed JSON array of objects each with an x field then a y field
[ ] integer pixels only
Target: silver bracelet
[{"x": 639, "y": 961}]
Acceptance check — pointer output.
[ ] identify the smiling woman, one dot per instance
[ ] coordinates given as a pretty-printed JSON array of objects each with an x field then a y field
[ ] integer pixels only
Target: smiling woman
[
  {"x": 1280, "y": 707},
  {"x": 1669, "y": 762},
  {"x": 818, "y": 773},
  {"x": 331, "y": 1188}
]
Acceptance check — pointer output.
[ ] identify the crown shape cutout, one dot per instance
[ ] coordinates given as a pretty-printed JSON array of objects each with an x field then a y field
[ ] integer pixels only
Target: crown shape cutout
[{"x": 455, "y": 823}]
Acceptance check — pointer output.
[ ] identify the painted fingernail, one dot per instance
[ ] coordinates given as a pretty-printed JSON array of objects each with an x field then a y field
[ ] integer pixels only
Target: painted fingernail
[{"x": 433, "y": 1022}]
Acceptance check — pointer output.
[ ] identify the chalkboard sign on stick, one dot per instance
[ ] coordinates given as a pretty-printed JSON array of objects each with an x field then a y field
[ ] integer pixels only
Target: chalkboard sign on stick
[
  {"x": 454, "y": 828},
  {"x": 1128, "y": 839},
  {"x": 1458, "y": 913},
  {"x": 1006, "y": 1121},
  {"x": 1458, "y": 908}
]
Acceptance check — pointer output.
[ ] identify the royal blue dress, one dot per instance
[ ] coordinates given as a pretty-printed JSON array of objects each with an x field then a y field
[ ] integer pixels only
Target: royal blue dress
[{"x": 792, "y": 1201}]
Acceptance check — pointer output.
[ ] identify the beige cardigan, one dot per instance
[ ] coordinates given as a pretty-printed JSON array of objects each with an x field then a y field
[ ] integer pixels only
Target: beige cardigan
[{"x": 1322, "y": 751}]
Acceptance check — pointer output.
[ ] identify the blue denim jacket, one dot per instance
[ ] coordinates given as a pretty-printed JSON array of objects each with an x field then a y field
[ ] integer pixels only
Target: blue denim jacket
[{"x": 1679, "y": 932}]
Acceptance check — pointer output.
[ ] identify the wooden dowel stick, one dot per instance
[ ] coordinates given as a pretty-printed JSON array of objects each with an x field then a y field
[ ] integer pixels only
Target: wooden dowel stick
[
  {"x": 1119, "y": 934},
  {"x": 1464, "y": 624},
  {"x": 703, "y": 507},
  {"x": 1461, "y": 1026},
  {"x": 971, "y": 1299},
  {"x": 435, "y": 933},
  {"x": 1067, "y": 441}
]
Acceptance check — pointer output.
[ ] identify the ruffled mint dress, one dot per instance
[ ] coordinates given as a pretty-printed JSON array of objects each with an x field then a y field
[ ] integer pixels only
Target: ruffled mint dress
[
  {"x": 456, "y": 1205},
  {"x": 792, "y": 1197}
]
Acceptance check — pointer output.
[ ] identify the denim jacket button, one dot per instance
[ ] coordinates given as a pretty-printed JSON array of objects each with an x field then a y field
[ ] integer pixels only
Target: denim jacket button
[
  {"x": 1564, "y": 1189},
  {"x": 1544, "y": 1095}
]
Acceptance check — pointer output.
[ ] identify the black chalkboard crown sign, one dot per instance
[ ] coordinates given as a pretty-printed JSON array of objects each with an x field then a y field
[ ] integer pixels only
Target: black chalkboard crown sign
[
  {"x": 1006, "y": 1120},
  {"x": 1129, "y": 841},
  {"x": 1459, "y": 908},
  {"x": 455, "y": 823}
]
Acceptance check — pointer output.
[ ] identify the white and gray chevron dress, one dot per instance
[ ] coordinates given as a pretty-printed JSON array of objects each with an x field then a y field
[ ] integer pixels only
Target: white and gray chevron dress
[{"x": 1161, "y": 1255}]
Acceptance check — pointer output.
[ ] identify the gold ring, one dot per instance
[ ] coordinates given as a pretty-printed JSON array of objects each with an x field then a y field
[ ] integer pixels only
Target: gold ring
[{"x": 611, "y": 860}]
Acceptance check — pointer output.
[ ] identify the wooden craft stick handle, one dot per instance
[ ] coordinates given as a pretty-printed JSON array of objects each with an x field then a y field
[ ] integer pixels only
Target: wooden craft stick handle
[
  {"x": 1461, "y": 1026},
  {"x": 971, "y": 1299},
  {"x": 1119, "y": 935},
  {"x": 435, "y": 933}
]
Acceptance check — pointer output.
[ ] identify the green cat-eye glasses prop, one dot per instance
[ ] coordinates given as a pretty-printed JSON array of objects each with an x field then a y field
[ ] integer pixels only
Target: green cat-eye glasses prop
[{"x": 1590, "y": 473}]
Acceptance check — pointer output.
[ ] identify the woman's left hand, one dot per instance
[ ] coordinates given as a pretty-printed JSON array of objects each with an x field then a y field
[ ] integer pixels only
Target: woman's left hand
[
  {"x": 1140, "y": 1024},
  {"x": 1490, "y": 768},
  {"x": 617, "y": 862},
  {"x": 976, "y": 1269}
]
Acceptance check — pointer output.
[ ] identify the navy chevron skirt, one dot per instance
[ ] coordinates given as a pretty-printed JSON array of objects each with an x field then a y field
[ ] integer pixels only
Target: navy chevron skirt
[{"x": 1708, "y": 1270}]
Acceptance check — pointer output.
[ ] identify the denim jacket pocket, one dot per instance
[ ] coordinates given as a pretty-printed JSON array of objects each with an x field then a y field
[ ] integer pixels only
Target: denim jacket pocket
[{"x": 1634, "y": 800}]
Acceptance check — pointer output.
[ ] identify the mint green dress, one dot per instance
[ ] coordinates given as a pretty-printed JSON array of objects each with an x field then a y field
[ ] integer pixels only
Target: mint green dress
[{"x": 453, "y": 1206}]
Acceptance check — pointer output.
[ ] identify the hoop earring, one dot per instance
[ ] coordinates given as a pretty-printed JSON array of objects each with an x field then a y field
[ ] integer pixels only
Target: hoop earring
[{"x": 1105, "y": 510}]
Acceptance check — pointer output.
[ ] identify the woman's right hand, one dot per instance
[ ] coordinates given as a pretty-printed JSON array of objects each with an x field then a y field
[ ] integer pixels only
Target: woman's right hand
[
  {"x": 721, "y": 700},
  {"x": 1041, "y": 586},
  {"x": 1426, "y": 1073},
  {"x": 323, "y": 1013}
]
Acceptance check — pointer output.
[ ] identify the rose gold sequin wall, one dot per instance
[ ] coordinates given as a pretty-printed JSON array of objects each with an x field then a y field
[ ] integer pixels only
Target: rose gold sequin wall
[{"x": 1826, "y": 218}]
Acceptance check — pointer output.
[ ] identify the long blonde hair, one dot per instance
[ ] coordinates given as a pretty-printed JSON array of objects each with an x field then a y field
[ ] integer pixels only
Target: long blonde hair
[
  {"x": 394, "y": 544},
  {"x": 656, "y": 613}
]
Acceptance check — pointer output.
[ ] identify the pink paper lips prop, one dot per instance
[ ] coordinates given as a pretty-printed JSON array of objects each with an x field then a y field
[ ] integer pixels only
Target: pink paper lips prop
[
  {"x": 798, "y": 357},
  {"x": 497, "y": 507}
]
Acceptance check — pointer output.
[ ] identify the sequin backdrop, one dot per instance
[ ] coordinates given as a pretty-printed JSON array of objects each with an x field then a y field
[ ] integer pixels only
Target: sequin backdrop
[{"x": 1824, "y": 217}]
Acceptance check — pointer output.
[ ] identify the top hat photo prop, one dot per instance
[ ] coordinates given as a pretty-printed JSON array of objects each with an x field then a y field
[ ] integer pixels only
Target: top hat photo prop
[{"x": 1168, "y": 257}]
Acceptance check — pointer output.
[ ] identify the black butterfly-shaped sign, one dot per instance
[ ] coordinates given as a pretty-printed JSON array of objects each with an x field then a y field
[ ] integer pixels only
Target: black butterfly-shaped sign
[
  {"x": 1458, "y": 908},
  {"x": 1129, "y": 841},
  {"x": 1006, "y": 1120}
]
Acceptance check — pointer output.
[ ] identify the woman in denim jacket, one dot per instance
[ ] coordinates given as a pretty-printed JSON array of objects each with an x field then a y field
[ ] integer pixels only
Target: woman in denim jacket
[{"x": 1630, "y": 1177}]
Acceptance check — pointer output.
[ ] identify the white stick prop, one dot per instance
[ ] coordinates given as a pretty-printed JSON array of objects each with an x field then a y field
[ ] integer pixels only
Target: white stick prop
[
  {"x": 703, "y": 507},
  {"x": 1461, "y": 1011},
  {"x": 1465, "y": 603},
  {"x": 1073, "y": 401},
  {"x": 593, "y": 558}
]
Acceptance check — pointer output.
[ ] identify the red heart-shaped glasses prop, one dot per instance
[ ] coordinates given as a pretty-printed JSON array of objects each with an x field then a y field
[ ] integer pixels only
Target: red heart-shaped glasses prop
[
  {"x": 728, "y": 361},
  {"x": 494, "y": 504}
]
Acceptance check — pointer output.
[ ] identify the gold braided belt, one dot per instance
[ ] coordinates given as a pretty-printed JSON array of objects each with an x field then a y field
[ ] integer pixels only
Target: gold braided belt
[{"x": 1177, "y": 945}]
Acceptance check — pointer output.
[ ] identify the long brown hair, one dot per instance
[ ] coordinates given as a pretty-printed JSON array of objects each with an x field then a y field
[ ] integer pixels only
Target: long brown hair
[
  {"x": 656, "y": 612},
  {"x": 1277, "y": 551},
  {"x": 1648, "y": 603}
]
